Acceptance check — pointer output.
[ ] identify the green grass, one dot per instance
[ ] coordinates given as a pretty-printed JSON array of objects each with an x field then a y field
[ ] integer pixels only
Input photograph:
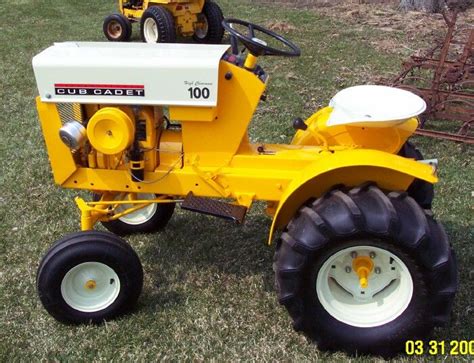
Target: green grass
[{"x": 208, "y": 289}]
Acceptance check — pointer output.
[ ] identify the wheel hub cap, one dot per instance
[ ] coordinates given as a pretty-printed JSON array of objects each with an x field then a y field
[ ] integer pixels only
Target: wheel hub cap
[
  {"x": 350, "y": 291},
  {"x": 363, "y": 266},
  {"x": 90, "y": 287},
  {"x": 150, "y": 30},
  {"x": 114, "y": 29}
]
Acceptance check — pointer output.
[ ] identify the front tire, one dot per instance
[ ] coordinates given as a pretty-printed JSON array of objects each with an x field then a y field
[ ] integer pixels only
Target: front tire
[
  {"x": 89, "y": 277},
  {"x": 410, "y": 288},
  {"x": 157, "y": 25},
  {"x": 117, "y": 28},
  {"x": 209, "y": 28}
]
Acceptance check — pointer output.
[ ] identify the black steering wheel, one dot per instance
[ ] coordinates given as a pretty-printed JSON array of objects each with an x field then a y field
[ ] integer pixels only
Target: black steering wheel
[{"x": 256, "y": 46}]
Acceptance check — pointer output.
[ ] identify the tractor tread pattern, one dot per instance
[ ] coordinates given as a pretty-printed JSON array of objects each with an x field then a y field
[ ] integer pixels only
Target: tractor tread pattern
[
  {"x": 420, "y": 190},
  {"x": 214, "y": 16},
  {"x": 364, "y": 211},
  {"x": 165, "y": 22},
  {"x": 80, "y": 237},
  {"x": 77, "y": 246}
]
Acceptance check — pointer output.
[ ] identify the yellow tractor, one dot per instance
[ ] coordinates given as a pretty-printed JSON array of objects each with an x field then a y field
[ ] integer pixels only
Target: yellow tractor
[
  {"x": 163, "y": 20},
  {"x": 361, "y": 264}
]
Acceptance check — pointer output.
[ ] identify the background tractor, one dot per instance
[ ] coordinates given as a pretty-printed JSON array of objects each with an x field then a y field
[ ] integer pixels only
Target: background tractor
[
  {"x": 360, "y": 264},
  {"x": 162, "y": 21}
]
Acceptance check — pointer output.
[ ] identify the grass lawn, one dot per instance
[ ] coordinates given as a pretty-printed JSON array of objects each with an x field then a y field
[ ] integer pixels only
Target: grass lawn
[{"x": 208, "y": 289}]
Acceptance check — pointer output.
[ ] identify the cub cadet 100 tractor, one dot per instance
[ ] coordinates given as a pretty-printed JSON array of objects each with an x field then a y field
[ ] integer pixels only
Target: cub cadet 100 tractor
[
  {"x": 162, "y": 20},
  {"x": 361, "y": 264}
]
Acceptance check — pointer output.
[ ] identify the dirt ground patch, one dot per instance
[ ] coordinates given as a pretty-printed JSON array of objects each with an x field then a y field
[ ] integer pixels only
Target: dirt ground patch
[{"x": 420, "y": 30}]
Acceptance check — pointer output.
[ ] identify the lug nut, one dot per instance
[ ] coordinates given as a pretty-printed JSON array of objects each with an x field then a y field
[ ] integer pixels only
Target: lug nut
[
  {"x": 353, "y": 254},
  {"x": 372, "y": 255},
  {"x": 348, "y": 269},
  {"x": 377, "y": 270}
]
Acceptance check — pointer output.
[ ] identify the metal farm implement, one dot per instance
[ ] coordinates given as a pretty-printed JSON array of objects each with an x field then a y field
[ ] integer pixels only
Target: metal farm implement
[{"x": 444, "y": 78}]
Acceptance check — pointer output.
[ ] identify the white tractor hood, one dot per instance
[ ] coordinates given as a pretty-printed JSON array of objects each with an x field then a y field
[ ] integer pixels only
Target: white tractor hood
[{"x": 129, "y": 73}]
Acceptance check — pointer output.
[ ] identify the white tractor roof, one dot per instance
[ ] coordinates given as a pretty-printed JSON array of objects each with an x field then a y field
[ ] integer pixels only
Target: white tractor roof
[{"x": 129, "y": 73}]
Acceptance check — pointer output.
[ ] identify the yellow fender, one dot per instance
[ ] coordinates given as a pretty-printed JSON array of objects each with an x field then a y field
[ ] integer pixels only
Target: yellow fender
[{"x": 351, "y": 168}]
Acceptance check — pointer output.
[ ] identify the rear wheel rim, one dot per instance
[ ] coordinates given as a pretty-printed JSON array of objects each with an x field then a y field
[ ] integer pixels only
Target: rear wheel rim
[
  {"x": 90, "y": 287},
  {"x": 150, "y": 31},
  {"x": 202, "y": 27},
  {"x": 388, "y": 294},
  {"x": 140, "y": 216},
  {"x": 114, "y": 29}
]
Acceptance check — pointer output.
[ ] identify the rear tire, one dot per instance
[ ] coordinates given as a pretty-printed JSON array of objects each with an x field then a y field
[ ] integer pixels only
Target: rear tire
[
  {"x": 157, "y": 25},
  {"x": 117, "y": 28},
  {"x": 420, "y": 190},
  {"x": 89, "y": 277},
  {"x": 361, "y": 219},
  {"x": 211, "y": 30}
]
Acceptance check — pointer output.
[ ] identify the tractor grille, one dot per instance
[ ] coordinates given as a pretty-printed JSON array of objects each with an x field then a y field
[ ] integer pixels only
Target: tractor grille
[{"x": 70, "y": 111}]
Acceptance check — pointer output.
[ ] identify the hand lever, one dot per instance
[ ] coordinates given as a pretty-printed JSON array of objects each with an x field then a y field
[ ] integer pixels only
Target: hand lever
[{"x": 298, "y": 124}]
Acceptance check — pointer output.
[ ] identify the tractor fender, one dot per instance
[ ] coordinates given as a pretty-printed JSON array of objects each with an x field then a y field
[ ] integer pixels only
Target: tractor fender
[{"x": 349, "y": 168}]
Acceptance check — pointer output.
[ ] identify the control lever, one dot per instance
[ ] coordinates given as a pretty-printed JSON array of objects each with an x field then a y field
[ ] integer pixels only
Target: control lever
[{"x": 298, "y": 124}]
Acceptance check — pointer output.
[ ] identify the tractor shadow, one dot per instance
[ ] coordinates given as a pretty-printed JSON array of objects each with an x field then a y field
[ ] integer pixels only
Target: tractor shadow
[{"x": 195, "y": 251}]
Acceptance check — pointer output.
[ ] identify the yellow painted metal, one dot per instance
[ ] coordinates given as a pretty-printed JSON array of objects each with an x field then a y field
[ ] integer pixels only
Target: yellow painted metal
[
  {"x": 363, "y": 266},
  {"x": 250, "y": 61},
  {"x": 77, "y": 111},
  {"x": 210, "y": 178},
  {"x": 193, "y": 114},
  {"x": 217, "y": 142},
  {"x": 211, "y": 156},
  {"x": 351, "y": 168},
  {"x": 170, "y": 150},
  {"x": 185, "y": 12},
  {"x": 89, "y": 215},
  {"x": 102, "y": 160},
  {"x": 389, "y": 139},
  {"x": 186, "y": 17},
  {"x": 104, "y": 210},
  {"x": 110, "y": 131},
  {"x": 113, "y": 203},
  {"x": 153, "y": 120},
  {"x": 132, "y": 14},
  {"x": 60, "y": 157},
  {"x": 269, "y": 177}
]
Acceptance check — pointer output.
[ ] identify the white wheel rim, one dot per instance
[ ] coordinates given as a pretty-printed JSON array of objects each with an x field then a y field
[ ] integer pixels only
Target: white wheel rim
[
  {"x": 114, "y": 29},
  {"x": 140, "y": 216},
  {"x": 202, "y": 27},
  {"x": 90, "y": 287},
  {"x": 388, "y": 294},
  {"x": 150, "y": 31}
]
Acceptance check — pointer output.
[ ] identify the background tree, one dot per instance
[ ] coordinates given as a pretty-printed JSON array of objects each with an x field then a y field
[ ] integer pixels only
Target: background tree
[{"x": 434, "y": 6}]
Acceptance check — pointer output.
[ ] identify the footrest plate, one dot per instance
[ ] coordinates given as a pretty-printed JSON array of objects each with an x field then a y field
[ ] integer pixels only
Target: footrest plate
[{"x": 214, "y": 208}]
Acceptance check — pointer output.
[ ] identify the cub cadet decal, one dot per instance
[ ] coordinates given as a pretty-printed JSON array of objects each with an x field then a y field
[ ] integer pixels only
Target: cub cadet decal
[{"x": 117, "y": 90}]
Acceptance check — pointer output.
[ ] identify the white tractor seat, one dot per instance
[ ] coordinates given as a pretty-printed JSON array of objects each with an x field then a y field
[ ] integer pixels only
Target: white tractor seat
[{"x": 374, "y": 106}]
